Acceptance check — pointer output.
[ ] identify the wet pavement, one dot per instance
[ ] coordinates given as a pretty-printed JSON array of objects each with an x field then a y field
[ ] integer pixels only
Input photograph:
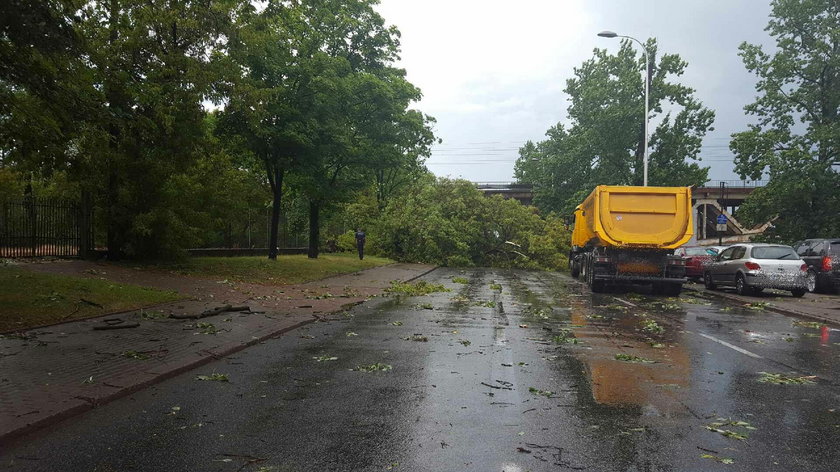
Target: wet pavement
[{"x": 534, "y": 373}]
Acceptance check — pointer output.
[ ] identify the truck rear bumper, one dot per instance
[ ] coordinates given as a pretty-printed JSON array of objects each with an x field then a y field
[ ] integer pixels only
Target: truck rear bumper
[{"x": 638, "y": 278}]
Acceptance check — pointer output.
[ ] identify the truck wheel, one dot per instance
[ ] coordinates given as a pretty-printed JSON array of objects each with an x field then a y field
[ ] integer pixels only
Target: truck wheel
[
  {"x": 673, "y": 289},
  {"x": 575, "y": 268},
  {"x": 798, "y": 293},
  {"x": 741, "y": 287},
  {"x": 707, "y": 281}
]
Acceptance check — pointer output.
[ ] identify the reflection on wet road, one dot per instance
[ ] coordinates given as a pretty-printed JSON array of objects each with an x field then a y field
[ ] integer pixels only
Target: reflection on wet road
[{"x": 510, "y": 371}]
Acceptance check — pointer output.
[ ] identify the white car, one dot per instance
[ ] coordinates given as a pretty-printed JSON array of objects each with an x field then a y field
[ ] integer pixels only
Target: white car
[{"x": 751, "y": 268}]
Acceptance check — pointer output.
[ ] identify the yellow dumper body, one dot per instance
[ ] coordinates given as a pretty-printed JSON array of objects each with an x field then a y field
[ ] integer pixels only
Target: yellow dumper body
[
  {"x": 628, "y": 235},
  {"x": 634, "y": 217}
]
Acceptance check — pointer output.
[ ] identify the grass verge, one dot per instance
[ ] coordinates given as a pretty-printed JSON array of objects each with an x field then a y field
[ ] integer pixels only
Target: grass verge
[
  {"x": 285, "y": 270},
  {"x": 30, "y": 299}
]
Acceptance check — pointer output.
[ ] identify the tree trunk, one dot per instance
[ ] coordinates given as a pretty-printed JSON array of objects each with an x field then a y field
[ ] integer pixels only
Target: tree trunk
[
  {"x": 113, "y": 220},
  {"x": 114, "y": 229},
  {"x": 275, "y": 178},
  {"x": 314, "y": 228}
]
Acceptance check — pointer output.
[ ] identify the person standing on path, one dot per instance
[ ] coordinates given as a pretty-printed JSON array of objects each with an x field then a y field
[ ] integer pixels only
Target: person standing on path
[{"x": 360, "y": 243}]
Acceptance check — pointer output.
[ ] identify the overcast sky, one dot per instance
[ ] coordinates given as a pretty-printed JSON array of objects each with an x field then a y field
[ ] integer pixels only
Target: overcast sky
[{"x": 493, "y": 72}]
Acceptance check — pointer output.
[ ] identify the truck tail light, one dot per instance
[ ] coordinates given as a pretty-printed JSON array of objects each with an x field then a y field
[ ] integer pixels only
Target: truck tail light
[
  {"x": 826, "y": 264},
  {"x": 602, "y": 259},
  {"x": 804, "y": 267},
  {"x": 752, "y": 266},
  {"x": 680, "y": 262}
]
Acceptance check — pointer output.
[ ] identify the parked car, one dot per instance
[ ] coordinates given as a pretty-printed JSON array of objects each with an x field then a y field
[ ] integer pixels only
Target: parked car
[
  {"x": 823, "y": 259},
  {"x": 696, "y": 258},
  {"x": 751, "y": 268}
]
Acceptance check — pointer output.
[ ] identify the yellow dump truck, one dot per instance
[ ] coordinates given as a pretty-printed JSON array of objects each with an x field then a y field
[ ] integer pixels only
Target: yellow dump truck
[{"x": 628, "y": 235}]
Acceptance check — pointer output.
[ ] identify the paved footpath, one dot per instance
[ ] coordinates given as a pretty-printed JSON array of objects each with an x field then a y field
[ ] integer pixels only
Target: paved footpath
[
  {"x": 814, "y": 306},
  {"x": 51, "y": 373}
]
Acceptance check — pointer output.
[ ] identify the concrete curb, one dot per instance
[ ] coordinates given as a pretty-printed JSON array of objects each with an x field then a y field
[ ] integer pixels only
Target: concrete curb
[
  {"x": 8, "y": 437},
  {"x": 770, "y": 307}
]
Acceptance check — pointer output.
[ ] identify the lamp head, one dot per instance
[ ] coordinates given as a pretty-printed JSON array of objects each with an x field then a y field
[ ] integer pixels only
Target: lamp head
[{"x": 607, "y": 34}]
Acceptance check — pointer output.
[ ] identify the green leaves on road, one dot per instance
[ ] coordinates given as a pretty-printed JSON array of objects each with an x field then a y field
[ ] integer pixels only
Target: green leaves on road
[
  {"x": 636, "y": 359},
  {"x": 722, "y": 460},
  {"x": 544, "y": 393},
  {"x": 782, "y": 379},
  {"x": 721, "y": 423},
  {"x": 325, "y": 358},
  {"x": 415, "y": 289},
  {"x": 214, "y": 377},
  {"x": 377, "y": 367}
]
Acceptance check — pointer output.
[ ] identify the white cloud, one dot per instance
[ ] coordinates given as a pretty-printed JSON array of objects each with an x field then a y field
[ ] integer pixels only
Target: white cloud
[{"x": 492, "y": 72}]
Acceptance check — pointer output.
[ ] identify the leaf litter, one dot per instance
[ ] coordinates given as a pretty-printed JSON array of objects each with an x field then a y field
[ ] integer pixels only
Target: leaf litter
[
  {"x": 782, "y": 379},
  {"x": 214, "y": 377},
  {"x": 376, "y": 367}
]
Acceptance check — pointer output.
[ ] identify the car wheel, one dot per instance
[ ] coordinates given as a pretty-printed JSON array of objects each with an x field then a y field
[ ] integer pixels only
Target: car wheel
[
  {"x": 741, "y": 286},
  {"x": 707, "y": 281},
  {"x": 811, "y": 281},
  {"x": 797, "y": 293}
]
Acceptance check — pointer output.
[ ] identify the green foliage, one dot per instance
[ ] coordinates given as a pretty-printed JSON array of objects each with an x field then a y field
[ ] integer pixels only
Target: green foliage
[
  {"x": 796, "y": 138},
  {"x": 415, "y": 289},
  {"x": 214, "y": 377},
  {"x": 449, "y": 222},
  {"x": 604, "y": 145},
  {"x": 376, "y": 367},
  {"x": 784, "y": 379},
  {"x": 634, "y": 359}
]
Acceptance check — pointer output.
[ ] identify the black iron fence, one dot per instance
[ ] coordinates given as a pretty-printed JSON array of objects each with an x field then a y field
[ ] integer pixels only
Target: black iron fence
[{"x": 33, "y": 227}]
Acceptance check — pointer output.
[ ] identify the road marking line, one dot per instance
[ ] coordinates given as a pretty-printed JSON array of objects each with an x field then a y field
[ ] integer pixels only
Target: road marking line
[
  {"x": 731, "y": 346},
  {"x": 626, "y": 302}
]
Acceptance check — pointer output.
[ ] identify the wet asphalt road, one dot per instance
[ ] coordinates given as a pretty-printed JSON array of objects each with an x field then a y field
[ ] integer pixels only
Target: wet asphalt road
[{"x": 521, "y": 379}]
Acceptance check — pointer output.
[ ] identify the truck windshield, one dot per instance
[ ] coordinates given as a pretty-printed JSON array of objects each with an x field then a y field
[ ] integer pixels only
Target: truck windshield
[{"x": 774, "y": 252}]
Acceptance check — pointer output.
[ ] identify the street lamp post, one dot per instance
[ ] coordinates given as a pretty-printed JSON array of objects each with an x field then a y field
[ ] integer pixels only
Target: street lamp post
[{"x": 610, "y": 34}]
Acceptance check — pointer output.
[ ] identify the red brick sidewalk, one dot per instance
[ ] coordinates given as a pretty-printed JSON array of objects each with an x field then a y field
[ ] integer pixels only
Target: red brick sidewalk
[{"x": 51, "y": 373}]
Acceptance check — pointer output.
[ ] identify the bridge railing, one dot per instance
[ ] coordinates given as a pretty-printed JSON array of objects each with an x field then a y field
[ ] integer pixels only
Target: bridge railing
[{"x": 735, "y": 183}]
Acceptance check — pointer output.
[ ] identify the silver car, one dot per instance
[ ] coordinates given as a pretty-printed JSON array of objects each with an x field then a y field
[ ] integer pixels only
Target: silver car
[{"x": 751, "y": 268}]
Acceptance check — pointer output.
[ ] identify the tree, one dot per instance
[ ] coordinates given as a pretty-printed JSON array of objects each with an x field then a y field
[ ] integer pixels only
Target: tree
[
  {"x": 266, "y": 113},
  {"x": 318, "y": 102},
  {"x": 450, "y": 222},
  {"x": 796, "y": 140},
  {"x": 45, "y": 88},
  {"x": 156, "y": 63},
  {"x": 604, "y": 141}
]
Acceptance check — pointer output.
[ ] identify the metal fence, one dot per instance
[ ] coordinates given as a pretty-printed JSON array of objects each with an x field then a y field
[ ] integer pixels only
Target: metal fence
[{"x": 33, "y": 227}]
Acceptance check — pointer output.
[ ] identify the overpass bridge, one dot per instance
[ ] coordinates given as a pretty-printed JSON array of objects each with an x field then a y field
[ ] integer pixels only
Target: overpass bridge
[{"x": 716, "y": 197}]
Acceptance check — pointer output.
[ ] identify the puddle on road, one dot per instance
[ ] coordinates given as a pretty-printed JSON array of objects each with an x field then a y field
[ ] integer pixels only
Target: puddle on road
[{"x": 625, "y": 366}]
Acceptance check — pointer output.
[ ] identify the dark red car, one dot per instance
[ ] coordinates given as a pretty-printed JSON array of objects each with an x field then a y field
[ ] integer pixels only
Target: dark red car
[{"x": 696, "y": 257}]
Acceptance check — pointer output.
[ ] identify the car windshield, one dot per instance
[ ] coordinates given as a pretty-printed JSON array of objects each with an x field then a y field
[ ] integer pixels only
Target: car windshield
[
  {"x": 835, "y": 249},
  {"x": 696, "y": 251},
  {"x": 774, "y": 252}
]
